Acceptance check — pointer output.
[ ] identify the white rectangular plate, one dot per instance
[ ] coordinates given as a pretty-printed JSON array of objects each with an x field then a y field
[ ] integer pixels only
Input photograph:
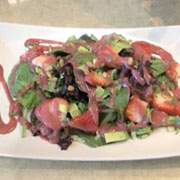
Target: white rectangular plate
[{"x": 160, "y": 144}]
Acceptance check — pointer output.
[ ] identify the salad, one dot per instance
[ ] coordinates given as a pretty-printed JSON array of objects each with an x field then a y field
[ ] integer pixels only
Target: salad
[{"x": 94, "y": 91}]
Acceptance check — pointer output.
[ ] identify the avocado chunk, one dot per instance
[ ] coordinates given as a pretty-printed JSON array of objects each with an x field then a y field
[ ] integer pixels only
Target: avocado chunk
[{"x": 116, "y": 136}]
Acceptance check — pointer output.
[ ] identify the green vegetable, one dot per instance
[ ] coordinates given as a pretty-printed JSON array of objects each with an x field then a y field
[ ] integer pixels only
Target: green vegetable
[
  {"x": 63, "y": 108},
  {"x": 173, "y": 120},
  {"x": 157, "y": 66},
  {"x": 72, "y": 38},
  {"x": 84, "y": 59},
  {"x": 24, "y": 77},
  {"x": 121, "y": 45},
  {"x": 109, "y": 117},
  {"x": 99, "y": 91},
  {"x": 93, "y": 37},
  {"x": 30, "y": 99},
  {"x": 143, "y": 132},
  {"x": 116, "y": 136},
  {"x": 91, "y": 140},
  {"x": 74, "y": 110},
  {"x": 82, "y": 49},
  {"x": 148, "y": 113},
  {"x": 82, "y": 107},
  {"x": 122, "y": 99},
  {"x": 163, "y": 79},
  {"x": 59, "y": 52}
]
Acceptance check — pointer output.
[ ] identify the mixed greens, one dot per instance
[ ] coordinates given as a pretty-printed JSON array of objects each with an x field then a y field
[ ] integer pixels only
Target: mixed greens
[{"x": 95, "y": 91}]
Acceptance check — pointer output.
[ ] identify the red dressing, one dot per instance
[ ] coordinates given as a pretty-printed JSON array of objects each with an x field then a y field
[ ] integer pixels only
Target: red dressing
[{"x": 11, "y": 125}]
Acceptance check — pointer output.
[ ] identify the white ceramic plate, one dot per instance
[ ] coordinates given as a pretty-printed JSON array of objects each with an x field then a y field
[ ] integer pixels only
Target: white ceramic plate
[{"x": 160, "y": 144}]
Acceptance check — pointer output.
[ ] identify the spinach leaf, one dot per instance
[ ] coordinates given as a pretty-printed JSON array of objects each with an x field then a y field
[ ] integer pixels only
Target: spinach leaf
[
  {"x": 157, "y": 66},
  {"x": 121, "y": 99},
  {"x": 30, "y": 99},
  {"x": 24, "y": 76},
  {"x": 82, "y": 60},
  {"x": 91, "y": 140},
  {"x": 165, "y": 80}
]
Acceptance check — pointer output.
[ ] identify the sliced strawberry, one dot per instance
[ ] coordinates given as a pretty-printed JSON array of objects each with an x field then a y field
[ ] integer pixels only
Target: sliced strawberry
[
  {"x": 98, "y": 79},
  {"x": 165, "y": 56},
  {"x": 136, "y": 109},
  {"x": 142, "y": 50},
  {"x": 176, "y": 92},
  {"x": 31, "y": 54},
  {"x": 107, "y": 56},
  {"x": 165, "y": 102},
  {"x": 174, "y": 73},
  {"x": 158, "y": 118},
  {"x": 87, "y": 122},
  {"x": 44, "y": 61},
  {"x": 52, "y": 112}
]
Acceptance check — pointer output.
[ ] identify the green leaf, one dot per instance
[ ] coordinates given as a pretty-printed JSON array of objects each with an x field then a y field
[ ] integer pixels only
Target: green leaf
[
  {"x": 30, "y": 99},
  {"x": 94, "y": 37},
  {"x": 122, "y": 99},
  {"x": 109, "y": 117},
  {"x": 82, "y": 60},
  {"x": 143, "y": 132},
  {"x": 72, "y": 38},
  {"x": 173, "y": 120},
  {"x": 91, "y": 140},
  {"x": 121, "y": 45},
  {"x": 163, "y": 79},
  {"x": 24, "y": 77},
  {"x": 59, "y": 52},
  {"x": 82, "y": 107},
  {"x": 157, "y": 66}
]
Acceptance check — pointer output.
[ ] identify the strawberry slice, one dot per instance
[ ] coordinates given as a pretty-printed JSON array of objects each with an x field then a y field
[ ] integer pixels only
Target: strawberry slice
[
  {"x": 174, "y": 73},
  {"x": 44, "y": 61},
  {"x": 99, "y": 79},
  {"x": 88, "y": 121},
  {"x": 52, "y": 112},
  {"x": 165, "y": 102},
  {"x": 136, "y": 109},
  {"x": 158, "y": 118},
  {"x": 107, "y": 56},
  {"x": 142, "y": 50}
]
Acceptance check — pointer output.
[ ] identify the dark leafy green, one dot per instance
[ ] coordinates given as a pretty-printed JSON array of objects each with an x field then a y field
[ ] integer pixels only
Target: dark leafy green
[
  {"x": 30, "y": 99},
  {"x": 163, "y": 79},
  {"x": 82, "y": 60},
  {"x": 121, "y": 99},
  {"x": 91, "y": 140},
  {"x": 24, "y": 77},
  {"x": 157, "y": 66}
]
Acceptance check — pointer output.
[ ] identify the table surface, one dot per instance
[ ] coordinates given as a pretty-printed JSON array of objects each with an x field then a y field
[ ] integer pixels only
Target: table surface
[{"x": 94, "y": 13}]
